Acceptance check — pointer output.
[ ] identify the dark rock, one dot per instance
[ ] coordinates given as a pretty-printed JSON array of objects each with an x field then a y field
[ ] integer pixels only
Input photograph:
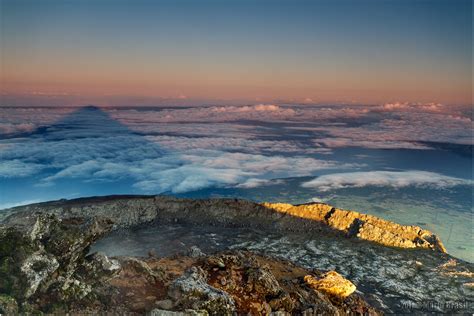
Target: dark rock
[
  {"x": 165, "y": 304},
  {"x": 263, "y": 281},
  {"x": 195, "y": 252},
  {"x": 191, "y": 291},
  {"x": 8, "y": 305},
  {"x": 41, "y": 256},
  {"x": 189, "y": 312}
]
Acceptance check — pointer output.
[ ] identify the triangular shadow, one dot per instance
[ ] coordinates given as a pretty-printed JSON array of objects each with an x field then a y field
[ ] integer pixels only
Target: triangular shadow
[
  {"x": 85, "y": 122},
  {"x": 86, "y": 136}
]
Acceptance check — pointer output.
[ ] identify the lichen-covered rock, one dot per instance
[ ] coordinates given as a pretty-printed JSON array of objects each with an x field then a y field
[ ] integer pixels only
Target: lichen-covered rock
[
  {"x": 331, "y": 283},
  {"x": 191, "y": 291},
  {"x": 43, "y": 255},
  {"x": 15, "y": 250},
  {"x": 37, "y": 268},
  {"x": 262, "y": 280},
  {"x": 195, "y": 252},
  {"x": 166, "y": 304},
  {"x": 98, "y": 265},
  {"x": 8, "y": 305},
  {"x": 141, "y": 268},
  {"x": 189, "y": 312}
]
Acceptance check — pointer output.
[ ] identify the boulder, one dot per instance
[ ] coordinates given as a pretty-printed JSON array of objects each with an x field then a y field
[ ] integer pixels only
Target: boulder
[
  {"x": 8, "y": 305},
  {"x": 165, "y": 304},
  {"x": 46, "y": 255},
  {"x": 195, "y": 252},
  {"x": 331, "y": 283},
  {"x": 263, "y": 281},
  {"x": 191, "y": 291},
  {"x": 189, "y": 312}
]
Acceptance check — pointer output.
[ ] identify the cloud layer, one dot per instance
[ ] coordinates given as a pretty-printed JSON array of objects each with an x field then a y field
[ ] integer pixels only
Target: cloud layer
[
  {"x": 183, "y": 149},
  {"x": 89, "y": 145},
  {"x": 394, "y": 179}
]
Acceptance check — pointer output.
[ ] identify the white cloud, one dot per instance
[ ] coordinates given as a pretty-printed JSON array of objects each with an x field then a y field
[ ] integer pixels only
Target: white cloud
[
  {"x": 235, "y": 143},
  {"x": 250, "y": 108},
  {"x": 151, "y": 167},
  {"x": 395, "y": 179},
  {"x": 180, "y": 149},
  {"x": 206, "y": 168},
  {"x": 413, "y": 107},
  {"x": 17, "y": 168},
  {"x": 83, "y": 169},
  {"x": 255, "y": 183},
  {"x": 11, "y": 128},
  {"x": 400, "y": 130},
  {"x": 188, "y": 178}
]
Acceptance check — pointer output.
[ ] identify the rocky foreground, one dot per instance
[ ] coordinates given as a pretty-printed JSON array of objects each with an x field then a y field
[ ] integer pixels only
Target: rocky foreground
[{"x": 46, "y": 264}]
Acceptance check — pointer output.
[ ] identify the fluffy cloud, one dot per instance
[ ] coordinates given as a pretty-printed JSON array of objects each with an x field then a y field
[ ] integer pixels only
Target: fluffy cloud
[
  {"x": 250, "y": 108},
  {"x": 153, "y": 163},
  {"x": 182, "y": 149},
  {"x": 413, "y": 107},
  {"x": 235, "y": 144},
  {"x": 255, "y": 182},
  {"x": 188, "y": 178},
  {"x": 19, "y": 120},
  {"x": 228, "y": 113},
  {"x": 399, "y": 130},
  {"x": 16, "y": 168},
  {"x": 179, "y": 172},
  {"x": 393, "y": 179},
  {"x": 392, "y": 125},
  {"x": 13, "y": 128}
]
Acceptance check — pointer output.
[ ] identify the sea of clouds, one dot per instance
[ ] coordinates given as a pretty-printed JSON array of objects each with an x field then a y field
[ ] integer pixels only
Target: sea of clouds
[{"x": 184, "y": 149}]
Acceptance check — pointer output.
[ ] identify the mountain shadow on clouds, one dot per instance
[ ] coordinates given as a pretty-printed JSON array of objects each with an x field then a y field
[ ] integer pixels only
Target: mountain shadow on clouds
[
  {"x": 81, "y": 143},
  {"x": 85, "y": 152},
  {"x": 85, "y": 122}
]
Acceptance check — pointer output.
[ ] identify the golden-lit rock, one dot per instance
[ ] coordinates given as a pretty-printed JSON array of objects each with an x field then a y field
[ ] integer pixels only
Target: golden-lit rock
[
  {"x": 362, "y": 226},
  {"x": 331, "y": 283}
]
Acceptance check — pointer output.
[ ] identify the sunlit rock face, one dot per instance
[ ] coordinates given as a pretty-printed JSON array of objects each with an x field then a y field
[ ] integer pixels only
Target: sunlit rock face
[
  {"x": 391, "y": 278},
  {"x": 226, "y": 212},
  {"x": 332, "y": 283},
  {"x": 362, "y": 226}
]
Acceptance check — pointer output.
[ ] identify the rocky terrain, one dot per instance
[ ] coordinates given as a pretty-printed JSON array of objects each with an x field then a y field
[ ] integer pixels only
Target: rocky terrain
[{"x": 271, "y": 258}]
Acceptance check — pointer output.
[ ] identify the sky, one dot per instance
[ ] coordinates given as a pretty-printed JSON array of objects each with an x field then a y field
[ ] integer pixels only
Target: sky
[{"x": 368, "y": 51}]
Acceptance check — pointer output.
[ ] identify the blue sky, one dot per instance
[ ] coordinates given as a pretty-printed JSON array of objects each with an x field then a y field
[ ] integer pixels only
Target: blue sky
[{"x": 372, "y": 51}]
